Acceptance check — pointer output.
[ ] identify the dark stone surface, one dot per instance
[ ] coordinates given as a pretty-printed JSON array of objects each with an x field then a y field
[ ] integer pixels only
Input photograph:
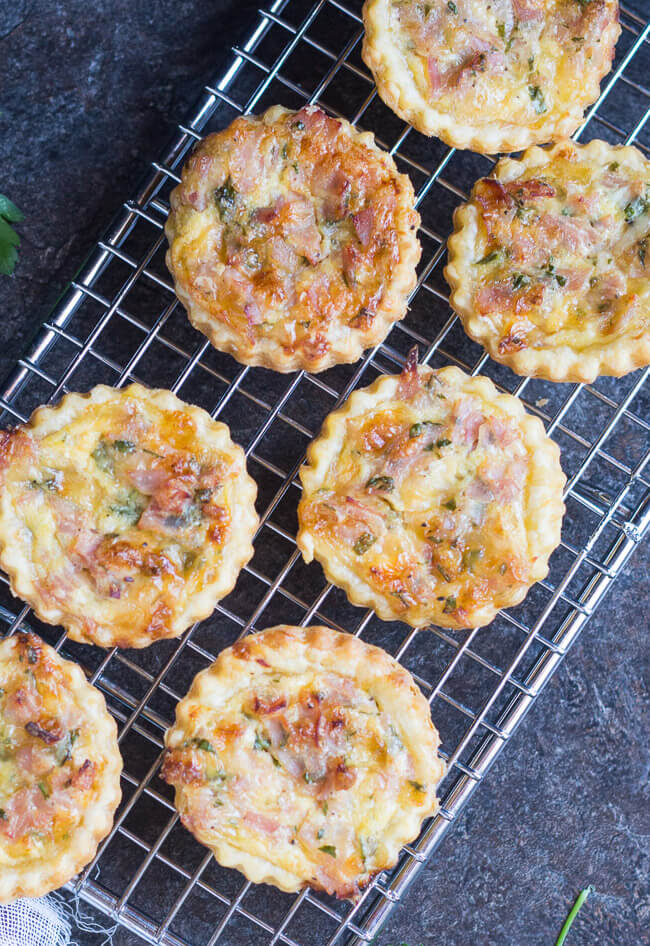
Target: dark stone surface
[{"x": 87, "y": 91}]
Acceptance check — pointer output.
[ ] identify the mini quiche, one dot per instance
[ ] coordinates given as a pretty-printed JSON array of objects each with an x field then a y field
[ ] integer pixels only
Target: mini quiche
[
  {"x": 304, "y": 757},
  {"x": 125, "y": 515},
  {"x": 491, "y": 77},
  {"x": 59, "y": 768},
  {"x": 549, "y": 263},
  {"x": 432, "y": 498},
  {"x": 292, "y": 240}
]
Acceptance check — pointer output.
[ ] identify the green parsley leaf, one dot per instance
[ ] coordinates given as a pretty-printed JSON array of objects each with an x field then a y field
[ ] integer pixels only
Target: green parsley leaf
[
  {"x": 363, "y": 543},
  {"x": 384, "y": 483},
  {"x": 328, "y": 849},
  {"x": 225, "y": 198},
  {"x": 635, "y": 208},
  {"x": 203, "y": 744},
  {"x": 450, "y": 605},
  {"x": 537, "y": 98},
  {"x": 9, "y": 239},
  {"x": 261, "y": 743},
  {"x": 418, "y": 786},
  {"x": 452, "y": 7},
  {"x": 492, "y": 257}
]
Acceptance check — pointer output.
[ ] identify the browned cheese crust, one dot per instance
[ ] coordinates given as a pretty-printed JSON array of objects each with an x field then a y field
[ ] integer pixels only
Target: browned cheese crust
[
  {"x": 495, "y": 76},
  {"x": 549, "y": 262},
  {"x": 304, "y": 757},
  {"x": 59, "y": 768},
  {"x": 292, "y": 240}
]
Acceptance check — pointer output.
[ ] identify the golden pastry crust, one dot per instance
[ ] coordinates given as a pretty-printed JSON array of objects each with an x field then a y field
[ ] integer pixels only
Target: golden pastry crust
[
  {"x": 292, "y": 240},
  {"x": 304, "y": 757},
  {"x": 490, "y": 77},
  {"x": 432, "y": 498},
  {"x": 59, "y": 769},
  {"x": 549, "y": 262},
  {"x": 125, "y": 514}
]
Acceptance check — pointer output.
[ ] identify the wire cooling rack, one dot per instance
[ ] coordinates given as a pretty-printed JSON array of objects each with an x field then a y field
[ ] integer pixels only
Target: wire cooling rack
[{"x": 119, "y": 321}]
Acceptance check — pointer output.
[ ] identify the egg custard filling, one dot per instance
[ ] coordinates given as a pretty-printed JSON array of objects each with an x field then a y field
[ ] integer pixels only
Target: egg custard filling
[
  {"x": 432, "y": 498},
  {"x": 124, "y": 514},
  {"x": 59, "y": 768},
  {"x": 550, "y": 261},
  {"x": 292, "y": 240},
  {"x": 304, "y": 757},
  {"x": 492, "y": 76}
]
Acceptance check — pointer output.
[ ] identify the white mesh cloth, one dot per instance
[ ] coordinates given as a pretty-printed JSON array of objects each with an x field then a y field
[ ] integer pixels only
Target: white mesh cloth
[
  {"x": 50, "y": 921},
  {"x": 40, "y": 922}
]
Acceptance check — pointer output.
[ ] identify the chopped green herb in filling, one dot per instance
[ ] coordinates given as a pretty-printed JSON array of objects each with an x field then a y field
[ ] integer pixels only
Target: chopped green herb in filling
[{"x": 363, "y": 543}]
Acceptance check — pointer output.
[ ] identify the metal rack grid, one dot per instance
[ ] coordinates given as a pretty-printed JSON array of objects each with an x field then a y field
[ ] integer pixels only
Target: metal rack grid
[{"x": 119, "y": 321}]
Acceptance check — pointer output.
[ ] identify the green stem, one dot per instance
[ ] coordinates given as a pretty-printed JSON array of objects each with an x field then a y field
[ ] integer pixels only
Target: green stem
[{"x": 573, "y": 914}]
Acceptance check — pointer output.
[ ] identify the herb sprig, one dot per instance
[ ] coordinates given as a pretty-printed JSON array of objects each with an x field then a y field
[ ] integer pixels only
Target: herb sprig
[
  {"x": 9, "y": 239},
  {"x": 575, "y": 909}
]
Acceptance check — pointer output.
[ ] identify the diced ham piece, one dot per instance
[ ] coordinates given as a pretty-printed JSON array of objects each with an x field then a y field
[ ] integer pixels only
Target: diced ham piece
[
  {"x": 26, "y": 810},
  {"x": 23, "y": 705},
  {"x": 317, "y": 122},
  {"x": 528, "y": 10},
  {"x": 299, "y": 225},
  {"x": 247, "y": 160},
  {"x": 506, "y": 479},
  {"x": 479, "y": 491},
  {"x": 468, "y": 424},
  {"x": 568, "y": 233},
  {"x": 262, "y": 822},
  {"x": 330, "y": 184},
  {"x": 409, "y": 379},
  {"x": 281, "y": 254},
  {"x": 495, "y": 432},
  {"x": 364, "y": 223},
  {"x": 253, "y": 317},
  {"x": 83, "y": 778},
  {"x": 435, "y": 76},
  {"x": 33, "y": 759}
]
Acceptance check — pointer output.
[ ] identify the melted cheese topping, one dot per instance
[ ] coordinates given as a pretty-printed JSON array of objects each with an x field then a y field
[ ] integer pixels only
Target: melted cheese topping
[
  {"x": 560, "y": 252},
  {"x": 419, "y": 499},
  {"x": 308, "y": 769},
  {"x": 501, "y": 66},
  {"x": 55, "y": 758},
  {"x": 122, "y": 509},
  {"x": 292, "y": 239}
]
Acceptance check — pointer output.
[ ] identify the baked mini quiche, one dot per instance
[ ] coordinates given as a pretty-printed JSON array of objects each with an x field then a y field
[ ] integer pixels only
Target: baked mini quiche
[
  {"x": 549, "y": 263},
  {"x": 495, "y": 76},
  {"x": 304, "y": 757},
  {"x": 125, "y": 514},
  {"x": 59, "y": 768},
  {"x": 432, "y": 498},
  {"x": 292, "y": 240}
]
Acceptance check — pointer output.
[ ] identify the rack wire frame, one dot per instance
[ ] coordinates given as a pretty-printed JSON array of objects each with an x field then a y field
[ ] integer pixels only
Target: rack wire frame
[{"x": 512, "y": 661}]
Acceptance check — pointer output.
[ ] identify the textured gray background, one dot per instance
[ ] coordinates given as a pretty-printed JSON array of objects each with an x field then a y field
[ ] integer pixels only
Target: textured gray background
[{"x": 87, "y": 90}]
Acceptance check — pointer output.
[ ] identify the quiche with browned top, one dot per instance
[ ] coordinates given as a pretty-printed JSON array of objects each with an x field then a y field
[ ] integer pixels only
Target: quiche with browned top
[
  {"x": 549, "y": 262},
  {"x": 59, "y": 768},
  {"x": 432, "y": 498},
  {"x": 125, "y": 514},
  {"x": 495, "y": 76},
  {"x": 304, "y": 757},
  {"x": 292, "y": 240}
]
